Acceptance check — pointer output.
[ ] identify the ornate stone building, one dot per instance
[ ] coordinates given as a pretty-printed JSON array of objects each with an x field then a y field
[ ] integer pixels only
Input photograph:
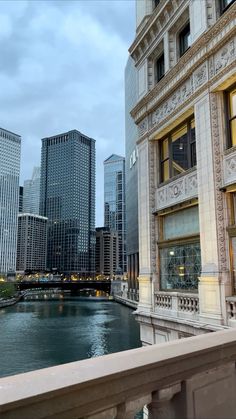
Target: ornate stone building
[{"x": 185, "y": 55}]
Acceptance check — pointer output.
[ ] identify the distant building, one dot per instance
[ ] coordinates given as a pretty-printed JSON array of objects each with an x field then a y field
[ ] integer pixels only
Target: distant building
[
  {"x": 131, "y": 176},
  {"x": 67, "y": 198},
  {"x": 21, "y": 192},
  {"x": 31, "y": 243},
  {"x": 107, "y": 252},
  {"x": 114, "y": 202},
  {"x": 31, "y": 194},
  {"x": 10, "y": 146}
]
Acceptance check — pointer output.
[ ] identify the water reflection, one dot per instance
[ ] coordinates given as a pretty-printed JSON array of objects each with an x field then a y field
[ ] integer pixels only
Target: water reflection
[{"x": 41, "y": 334}]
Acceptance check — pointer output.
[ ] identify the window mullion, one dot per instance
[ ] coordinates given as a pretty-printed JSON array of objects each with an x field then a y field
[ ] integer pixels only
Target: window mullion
[{"x": 170, "y": 157}]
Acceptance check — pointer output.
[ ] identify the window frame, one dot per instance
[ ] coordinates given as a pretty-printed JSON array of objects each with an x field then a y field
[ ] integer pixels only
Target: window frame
[
  {"x": 223, "y": 8},
  {"x": 229, "y": 119},
  {"x": 158, "y": 63},
  {"x": 170, "y": 152},
  {"x": 181, "y": 37},
  {"x": 155, "y": 3}
]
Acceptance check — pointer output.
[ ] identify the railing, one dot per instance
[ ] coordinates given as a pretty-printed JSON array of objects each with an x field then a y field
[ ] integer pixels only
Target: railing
[
  {"x": 231, "y": 307},
  {"x": 164, "y": 300},
  {"x": 187, "y": 378},
  {"x": 176, "y": 304}
]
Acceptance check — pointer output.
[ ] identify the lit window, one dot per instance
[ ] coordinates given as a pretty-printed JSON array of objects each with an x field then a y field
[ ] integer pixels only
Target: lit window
[
  {"x": 184, "y": 39},
  {"x": 232, "y": 117},
  {"x": 178, "y": 151}
]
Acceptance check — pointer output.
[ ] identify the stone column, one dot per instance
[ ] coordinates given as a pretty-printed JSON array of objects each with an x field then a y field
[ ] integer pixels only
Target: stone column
[
  {"x": 212, "y": 216},
  {"x": 146, "y": 202},
  {"x": 198, "y": 18}
]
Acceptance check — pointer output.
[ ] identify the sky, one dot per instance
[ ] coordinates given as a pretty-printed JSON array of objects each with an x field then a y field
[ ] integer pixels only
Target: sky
[{"x": 61, "y": 68}]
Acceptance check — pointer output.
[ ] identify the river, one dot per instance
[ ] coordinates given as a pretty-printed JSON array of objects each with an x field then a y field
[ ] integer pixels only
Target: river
[{"x": 36, "y": 335}]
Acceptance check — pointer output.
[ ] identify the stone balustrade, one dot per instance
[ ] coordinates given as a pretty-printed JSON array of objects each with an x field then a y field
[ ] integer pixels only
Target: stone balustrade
[
  {"x": 177, "y": 304},
  {"x": 179, "y": 379}
]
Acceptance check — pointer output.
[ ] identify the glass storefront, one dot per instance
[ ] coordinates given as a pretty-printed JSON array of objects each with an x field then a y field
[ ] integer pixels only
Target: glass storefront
[{"x": 180, "y": 266}]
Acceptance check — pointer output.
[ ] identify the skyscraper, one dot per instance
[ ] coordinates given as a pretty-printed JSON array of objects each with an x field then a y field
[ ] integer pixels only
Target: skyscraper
[
  {"x": 67, "y": 198},
  {"x": 10, "y": 145},
  {"x": 21, "y": 192},
  {"x": 107, "y": 251},
  {"x": 114, "y": 202},
  {"x": 32, "y": 192},
  {"x": 131, "y": 171},
  {"x": 31, "y": 242}
]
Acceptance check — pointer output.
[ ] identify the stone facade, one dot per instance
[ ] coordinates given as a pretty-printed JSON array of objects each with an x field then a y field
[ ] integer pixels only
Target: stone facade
[{"x": 187, "y": 167}]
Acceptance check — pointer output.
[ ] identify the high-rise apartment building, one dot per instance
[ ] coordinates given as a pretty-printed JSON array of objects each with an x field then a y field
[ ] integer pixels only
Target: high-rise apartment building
[
  {"x": 31, "y": 242},
  {"x": 10, "y": 146},
  {"x": 107, "y": 252},
  {"x": 21, "y": 192},
  {"x": 31, "y": 195},
  {"x": 131, "y": 177},
  {"x": 185, "y": 56},
  {"x": 114, "y": 202},
  {"x": 67, "y": 199}
]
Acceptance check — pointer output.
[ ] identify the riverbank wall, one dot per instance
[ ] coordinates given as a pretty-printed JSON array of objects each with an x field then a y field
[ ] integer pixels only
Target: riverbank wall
[
  {"x": 9, "y": 302},
  {"x": 126, "y": 301}
]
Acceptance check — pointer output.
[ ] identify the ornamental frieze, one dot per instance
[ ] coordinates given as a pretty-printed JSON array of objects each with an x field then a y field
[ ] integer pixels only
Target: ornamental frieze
[{"x": 177, "y": 191}]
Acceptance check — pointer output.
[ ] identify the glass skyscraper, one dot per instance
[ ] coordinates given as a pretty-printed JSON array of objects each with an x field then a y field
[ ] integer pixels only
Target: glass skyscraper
[
  {"x": 10, "y": 146},
  {"x": 31, "y": 193},
  {"x": 67, "y": 198},
  {"x": 114, "y": 202}
]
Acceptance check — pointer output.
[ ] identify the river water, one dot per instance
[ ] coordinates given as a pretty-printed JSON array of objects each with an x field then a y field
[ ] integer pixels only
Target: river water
[{"x": 36, "y": 335}]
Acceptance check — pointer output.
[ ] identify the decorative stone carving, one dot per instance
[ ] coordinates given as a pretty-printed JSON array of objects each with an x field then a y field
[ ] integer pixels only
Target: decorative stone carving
[
  {"x": 200, "y": 76},
  {"x": 173, "y": 102},
  {"x": 179, "y": 190},
  {"x": 221, "y": 232},
  {"x": 142, "y": 127},
  {"x": 152, "y": 205},
  {"x": 229, "y": 164},
  {"x": 224, "y": 56}
]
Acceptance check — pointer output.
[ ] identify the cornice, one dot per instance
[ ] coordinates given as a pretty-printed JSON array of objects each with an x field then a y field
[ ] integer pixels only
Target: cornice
[{"x": 203, "y": 48}]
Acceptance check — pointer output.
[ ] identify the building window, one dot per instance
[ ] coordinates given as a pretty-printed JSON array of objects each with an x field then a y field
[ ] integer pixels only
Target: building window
[
  {"x": 184, "y": 39},
  {"x": 179, "y": 249},
  {"x": 160, "y": 68},
  {"x": 231, "y": 96},
  {"x": 155, "y": 3},
  {"x": 224, "y": 5},
  {"x": 180, "y": 266},
  {"x": 178, "y": 151}
]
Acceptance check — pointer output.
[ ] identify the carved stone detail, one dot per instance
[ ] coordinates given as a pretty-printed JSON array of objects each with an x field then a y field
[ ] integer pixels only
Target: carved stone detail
[
  {"x": 200, "y": 76},
  {"x": 142, "y": 127},
  {"x": 177, "y": 191},
  {"x": 217, "y": 163},
  {"x": 225, "y": 56},
  {"x": 230, "y": 168},
  {"x": 152, "y": 205}
]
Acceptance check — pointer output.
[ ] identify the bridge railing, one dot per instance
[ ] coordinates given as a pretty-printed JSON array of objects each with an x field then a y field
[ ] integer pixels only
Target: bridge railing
[{"x": 193, "y": 378}]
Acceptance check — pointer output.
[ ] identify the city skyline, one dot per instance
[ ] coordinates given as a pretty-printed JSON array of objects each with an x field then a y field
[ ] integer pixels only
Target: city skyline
[{"x": 50, "y": 59}]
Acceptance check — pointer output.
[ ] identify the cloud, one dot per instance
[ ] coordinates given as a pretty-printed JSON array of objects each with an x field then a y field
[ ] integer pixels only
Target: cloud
[{"x": 62, "y": 67}]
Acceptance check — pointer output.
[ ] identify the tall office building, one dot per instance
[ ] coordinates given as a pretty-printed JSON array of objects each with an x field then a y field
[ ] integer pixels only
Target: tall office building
[
  {"x": 31, "y": 242},
  {"x": 67, "y": 199},
  {"x": 107, "y": 251},
  {"x": 31, "y": 193},
  {"x": 10, "y": 145},
  {"x": 114, "y": 202},
  {"x": 131, "y": 176}
]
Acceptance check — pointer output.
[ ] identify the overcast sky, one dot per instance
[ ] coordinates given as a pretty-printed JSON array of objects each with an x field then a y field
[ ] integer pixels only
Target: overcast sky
[{"x": 61, "y": 68}]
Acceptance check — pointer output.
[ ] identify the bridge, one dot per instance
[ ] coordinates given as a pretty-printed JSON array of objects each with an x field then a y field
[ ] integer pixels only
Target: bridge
[{"x": 73, "y": 286}]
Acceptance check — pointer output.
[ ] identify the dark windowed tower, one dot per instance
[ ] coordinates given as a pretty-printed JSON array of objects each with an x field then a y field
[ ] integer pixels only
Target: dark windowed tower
[
  {"x": 67, "y": 198},
  {"x": 114, "y": 202}
]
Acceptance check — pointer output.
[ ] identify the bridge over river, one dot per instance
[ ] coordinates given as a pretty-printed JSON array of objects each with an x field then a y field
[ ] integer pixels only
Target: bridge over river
[{"x": 104, "y": 285}]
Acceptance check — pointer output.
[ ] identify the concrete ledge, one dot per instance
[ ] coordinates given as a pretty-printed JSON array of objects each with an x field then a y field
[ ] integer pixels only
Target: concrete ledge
[
  {"x": 126, "y": 302},
  {"x": 81, "y": 389}
]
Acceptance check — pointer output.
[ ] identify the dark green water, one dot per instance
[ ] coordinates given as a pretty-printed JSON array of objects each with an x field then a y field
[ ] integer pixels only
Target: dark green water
[{"x": 42, "y": 334}]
